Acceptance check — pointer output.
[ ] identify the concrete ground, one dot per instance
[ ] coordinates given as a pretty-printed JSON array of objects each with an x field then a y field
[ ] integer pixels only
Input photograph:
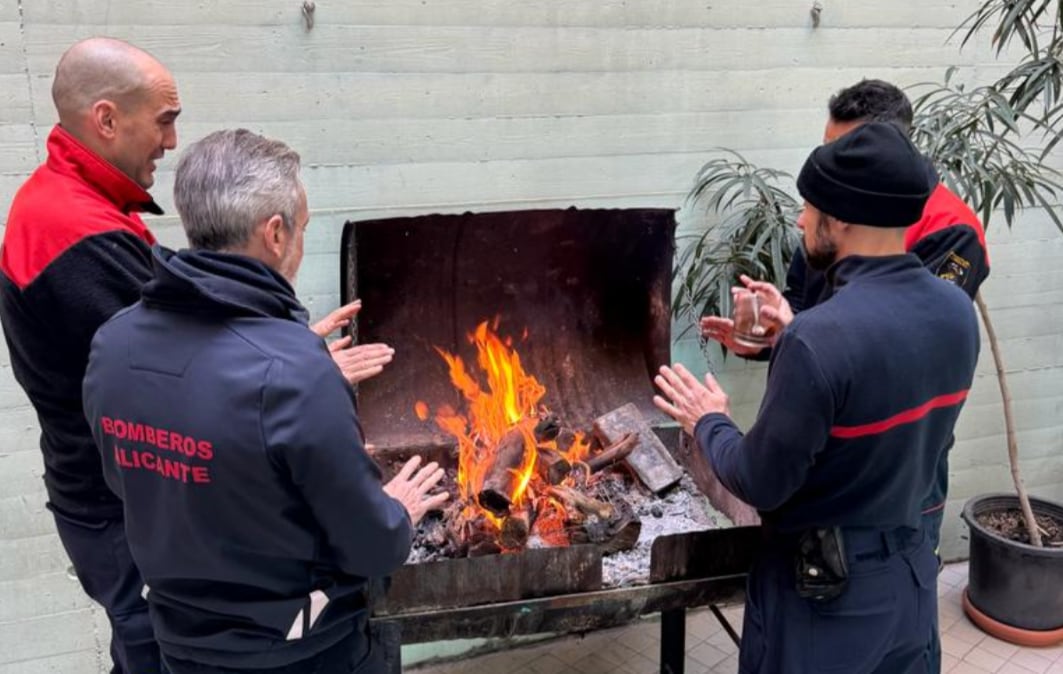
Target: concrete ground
[{"x": 634, "y": 649}]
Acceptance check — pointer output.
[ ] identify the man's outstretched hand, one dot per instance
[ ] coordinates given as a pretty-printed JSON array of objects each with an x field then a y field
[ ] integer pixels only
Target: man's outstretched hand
[{"x": 411, "y": 488}]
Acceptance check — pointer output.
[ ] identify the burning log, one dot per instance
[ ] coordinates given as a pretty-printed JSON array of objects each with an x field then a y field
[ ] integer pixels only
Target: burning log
[
  {"x": 565, "y": 439},
  {"x": 614, "y": 453},
  {"x": 583, "y": 503},
  {"x": 515, "y": 529},
  {"x": 552, "y": 467},
  {"x": 501, "y": 479},
  {"x": 548, "y": 428}
]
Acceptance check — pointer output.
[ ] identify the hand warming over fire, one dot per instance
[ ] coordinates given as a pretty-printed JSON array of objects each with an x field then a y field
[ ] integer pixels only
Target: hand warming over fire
[
  {"x": 339, "y": 318},
  {"x": 686, "y": 399},
  {"x": 411, "y": 489},
  {"x": 362, "y": 361}
]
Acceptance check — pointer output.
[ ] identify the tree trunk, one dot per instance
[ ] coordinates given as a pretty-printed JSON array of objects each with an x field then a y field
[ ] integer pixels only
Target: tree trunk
[{"x": 1009, "y": 425}]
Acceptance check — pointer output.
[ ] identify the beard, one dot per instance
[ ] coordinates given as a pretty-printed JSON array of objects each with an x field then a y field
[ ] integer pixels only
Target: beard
[{"x": 824, "y": 250}]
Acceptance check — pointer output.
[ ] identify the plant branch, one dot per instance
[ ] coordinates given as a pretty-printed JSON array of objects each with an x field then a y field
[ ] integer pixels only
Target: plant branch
[{"x": 1009, "y": 425}]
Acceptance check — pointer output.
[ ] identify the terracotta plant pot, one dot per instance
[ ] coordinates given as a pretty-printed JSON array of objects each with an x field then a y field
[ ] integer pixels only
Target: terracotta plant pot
[{"x": 1015, "y": 590}]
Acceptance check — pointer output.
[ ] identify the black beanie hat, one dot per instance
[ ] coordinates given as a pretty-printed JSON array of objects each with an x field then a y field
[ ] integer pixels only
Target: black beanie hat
[{"x": 872, "y": 175}]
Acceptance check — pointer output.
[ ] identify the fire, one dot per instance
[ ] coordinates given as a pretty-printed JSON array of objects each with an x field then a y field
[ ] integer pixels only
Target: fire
[{"x": 507, "y": 400}]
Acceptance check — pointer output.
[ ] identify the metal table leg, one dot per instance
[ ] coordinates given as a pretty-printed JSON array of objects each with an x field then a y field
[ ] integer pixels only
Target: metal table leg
[{"x": 673, "y": 640}]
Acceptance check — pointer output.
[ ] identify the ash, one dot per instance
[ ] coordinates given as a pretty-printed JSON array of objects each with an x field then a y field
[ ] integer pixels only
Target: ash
[{"x": 681, "y": 509}]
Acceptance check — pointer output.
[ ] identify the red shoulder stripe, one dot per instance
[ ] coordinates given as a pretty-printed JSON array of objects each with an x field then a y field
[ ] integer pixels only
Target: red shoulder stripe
[{"x": 905, "y": 417}]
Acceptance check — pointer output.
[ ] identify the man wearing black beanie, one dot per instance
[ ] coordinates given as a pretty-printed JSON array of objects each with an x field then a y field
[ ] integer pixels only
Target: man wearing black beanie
[{"x": 863, "y": 391}]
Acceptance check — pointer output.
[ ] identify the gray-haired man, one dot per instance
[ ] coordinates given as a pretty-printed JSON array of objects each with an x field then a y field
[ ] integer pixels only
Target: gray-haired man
[{"x": 252, "y": 508}]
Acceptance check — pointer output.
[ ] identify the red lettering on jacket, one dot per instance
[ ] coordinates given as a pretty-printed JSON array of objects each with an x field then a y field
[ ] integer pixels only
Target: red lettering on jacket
[
  {"x": 136, "y": 432},
  {"x": 205, "y": 450},
  {"x": 107, "y": 424},
  {"x": 200, "y": 474}
]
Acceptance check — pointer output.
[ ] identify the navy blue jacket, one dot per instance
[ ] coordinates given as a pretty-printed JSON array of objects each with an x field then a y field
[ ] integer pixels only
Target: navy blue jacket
[
  {"x": 252, "y": 509},
  {"x": 863, "y": 392}
]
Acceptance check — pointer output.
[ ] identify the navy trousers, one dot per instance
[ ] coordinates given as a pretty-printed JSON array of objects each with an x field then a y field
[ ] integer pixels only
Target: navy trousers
[
  {"x": 933, "y": 515},
  {"x": 878, "y": 626},
  {"x": 100, "y": 554}
]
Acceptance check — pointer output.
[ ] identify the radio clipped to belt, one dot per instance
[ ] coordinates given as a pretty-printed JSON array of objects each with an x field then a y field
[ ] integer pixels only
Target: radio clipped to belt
[{"x": 822, "y": 572}]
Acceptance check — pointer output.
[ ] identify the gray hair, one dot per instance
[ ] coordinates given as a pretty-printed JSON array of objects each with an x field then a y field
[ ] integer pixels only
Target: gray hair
[{"x": 229, "y": 182}]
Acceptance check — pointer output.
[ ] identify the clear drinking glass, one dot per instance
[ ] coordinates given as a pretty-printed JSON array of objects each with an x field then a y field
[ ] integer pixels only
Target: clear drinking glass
[{"x": 748, "y": 330}]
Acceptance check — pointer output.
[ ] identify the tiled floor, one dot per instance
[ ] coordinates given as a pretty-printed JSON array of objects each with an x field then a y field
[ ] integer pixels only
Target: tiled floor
[{"x": 634, "y": 649}]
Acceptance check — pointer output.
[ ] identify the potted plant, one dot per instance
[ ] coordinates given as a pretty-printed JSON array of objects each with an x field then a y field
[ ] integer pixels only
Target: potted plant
[{"x": 1015, "y": 589}]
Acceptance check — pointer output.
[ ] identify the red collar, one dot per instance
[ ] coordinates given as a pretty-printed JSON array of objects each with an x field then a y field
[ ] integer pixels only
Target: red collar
[{"x": 67, "y": 155}]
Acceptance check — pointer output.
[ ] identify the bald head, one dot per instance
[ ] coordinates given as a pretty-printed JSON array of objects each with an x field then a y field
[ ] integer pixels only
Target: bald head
[
  {"x": 99, "y": 68},
  {"x": 109, "y": 95}
]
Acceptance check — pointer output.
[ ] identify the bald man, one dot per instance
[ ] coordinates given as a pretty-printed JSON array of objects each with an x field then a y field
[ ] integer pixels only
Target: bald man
[{"x": 75, "y": 251}]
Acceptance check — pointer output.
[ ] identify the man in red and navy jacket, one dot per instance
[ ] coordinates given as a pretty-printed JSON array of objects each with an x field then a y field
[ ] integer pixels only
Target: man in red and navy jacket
[
  {"x": 75, "y": 251},
  {"x": 863, "y": 392}
]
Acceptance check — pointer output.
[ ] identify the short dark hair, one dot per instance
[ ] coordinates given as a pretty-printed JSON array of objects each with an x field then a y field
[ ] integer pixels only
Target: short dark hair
[{"x": 872, "y": 101}]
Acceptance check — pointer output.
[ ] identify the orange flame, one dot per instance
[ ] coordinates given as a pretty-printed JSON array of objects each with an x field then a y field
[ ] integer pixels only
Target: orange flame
[{"x": 508, "y": 400}]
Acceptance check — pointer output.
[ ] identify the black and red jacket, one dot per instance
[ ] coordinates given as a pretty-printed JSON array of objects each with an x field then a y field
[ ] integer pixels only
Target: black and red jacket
[
  {"x": 863, "y": 393},
  {"x": 74, "y": 253},
  {"x": 949, "y": 239}
]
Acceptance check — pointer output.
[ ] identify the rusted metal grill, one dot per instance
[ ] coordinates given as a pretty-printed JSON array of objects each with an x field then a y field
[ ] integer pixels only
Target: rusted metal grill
[{"x": 592, "y": 288}]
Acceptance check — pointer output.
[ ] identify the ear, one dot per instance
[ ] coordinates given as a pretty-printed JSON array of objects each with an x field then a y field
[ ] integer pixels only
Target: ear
[
  {"x": 275, "y": 236},
  {"x": 103, "y": 116}
]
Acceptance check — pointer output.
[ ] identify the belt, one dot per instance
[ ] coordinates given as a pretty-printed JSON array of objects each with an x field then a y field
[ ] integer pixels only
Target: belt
[
  {"x": 860, "y": 543},
  {"x": 869, "y": 543}
]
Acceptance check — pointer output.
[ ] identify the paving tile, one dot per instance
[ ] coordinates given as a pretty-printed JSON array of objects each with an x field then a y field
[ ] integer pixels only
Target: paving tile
[
  {"x": 965, "y": 631},
  {"x": 957, "y": 648},
  {"x": 728, "y": 666},
  {"x": 548, "y": 664},
  {"x": 967, "y": 668},
  {"x": 640, "y": 664},
  {"x": 1054, "y": 653},
  {"x": 1012, "y": 668},
  {"x": 998, "y": 647},
  {"x": 722, "y": 640},
  {"x": 642, "y": 638},
  {"x": 707, "y": 654},
  {"x": 1031, "y": 660},
  {"x": 984, "y": 659},
  {"x": 702, "y": 625}
]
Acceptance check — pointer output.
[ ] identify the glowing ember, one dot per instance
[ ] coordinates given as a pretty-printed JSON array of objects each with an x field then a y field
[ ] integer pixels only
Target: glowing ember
[{"x": 507, "y": 402}]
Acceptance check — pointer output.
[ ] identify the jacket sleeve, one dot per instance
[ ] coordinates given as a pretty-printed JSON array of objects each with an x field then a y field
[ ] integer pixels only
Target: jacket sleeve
[
  {"x": 312, "y": 434},
  {"x": 955, "y": 254},
  {"x": 767, "y": 465}
]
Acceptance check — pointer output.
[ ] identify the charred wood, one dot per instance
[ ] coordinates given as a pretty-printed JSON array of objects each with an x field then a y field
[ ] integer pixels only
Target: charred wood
[
  {"x": 582, "y": 503},
  {"x": 515, "y": 529},
  {"x": 618, "y": 451},
  {"x": 501, "y": 479},
  {"x": 547, "y": 429},
  {"x": 551, "y": 466}
]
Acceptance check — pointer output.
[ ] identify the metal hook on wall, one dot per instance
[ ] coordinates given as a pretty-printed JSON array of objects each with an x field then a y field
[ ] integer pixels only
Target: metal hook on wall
[{"x": 308, "y": 13}]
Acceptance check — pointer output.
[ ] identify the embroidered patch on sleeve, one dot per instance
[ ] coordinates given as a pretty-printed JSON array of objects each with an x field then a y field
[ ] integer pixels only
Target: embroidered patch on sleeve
[{"x": 954, "y": 269}]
